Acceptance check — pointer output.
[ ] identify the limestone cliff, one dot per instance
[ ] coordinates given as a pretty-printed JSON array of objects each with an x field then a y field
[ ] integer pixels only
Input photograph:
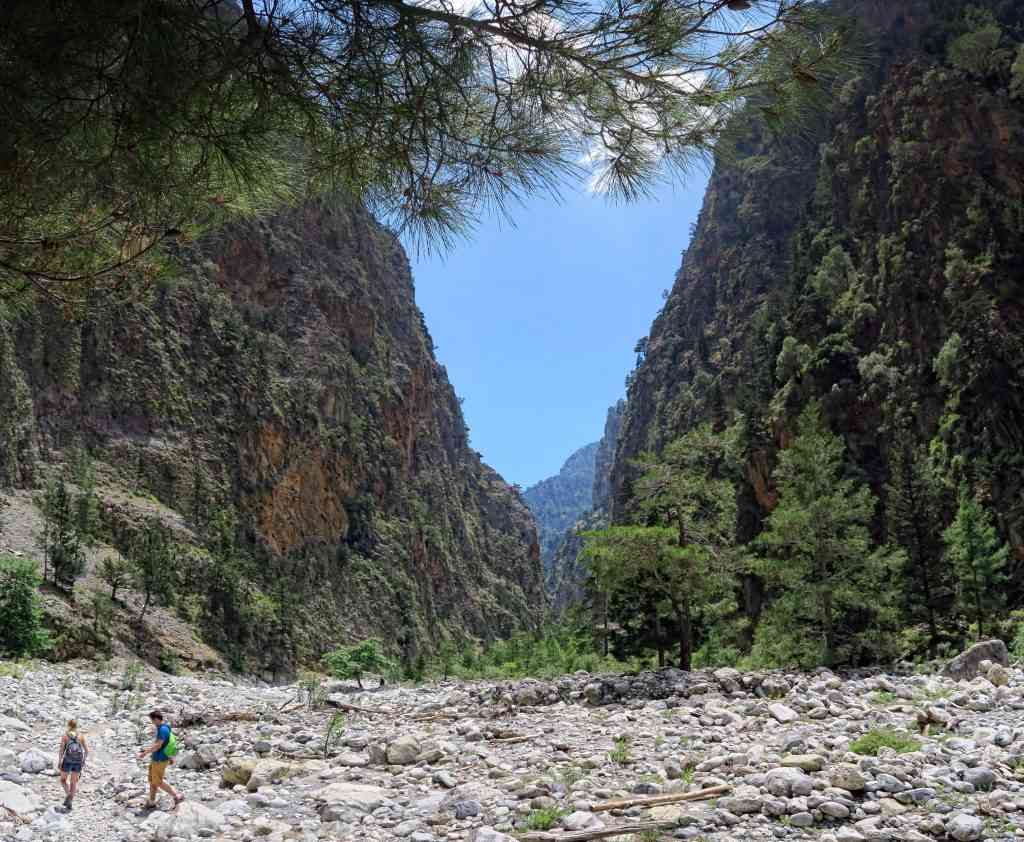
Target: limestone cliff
[{"x": 283, "y": 372}]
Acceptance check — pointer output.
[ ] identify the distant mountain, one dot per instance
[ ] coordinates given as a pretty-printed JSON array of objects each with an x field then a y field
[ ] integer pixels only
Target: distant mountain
[
  {"x": 557, "y": 502},
  {"x": 566, "y": 576}
]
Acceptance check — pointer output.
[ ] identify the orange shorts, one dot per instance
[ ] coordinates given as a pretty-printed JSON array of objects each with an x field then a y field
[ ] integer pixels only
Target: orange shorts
[{"x": 157, "y": 772}]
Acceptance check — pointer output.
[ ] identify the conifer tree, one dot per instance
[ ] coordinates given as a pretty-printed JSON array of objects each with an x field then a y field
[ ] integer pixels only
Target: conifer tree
[
  {"x": 833, "y": 588},
  {"x": 686, "y": 557},
  {"x": 978, "y": 559},
  {"x": 152, "y": 556},
  {"x": 62, "y": 550},
  {"x": 914, "y": 522}
]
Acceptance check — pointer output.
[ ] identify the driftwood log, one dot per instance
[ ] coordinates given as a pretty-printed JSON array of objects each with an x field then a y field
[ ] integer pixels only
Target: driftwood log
[
  {"x": 657, "y": 800},
  {"x": 598, "y": 833}
]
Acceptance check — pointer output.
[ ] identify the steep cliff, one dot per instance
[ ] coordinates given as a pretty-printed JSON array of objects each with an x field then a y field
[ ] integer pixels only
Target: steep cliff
[
  {"x": 567, "y": 576},
  {"x": 878, "y": 268},
  {"x": 556, "y": 502},
  {"x": 282, "y": 372}
]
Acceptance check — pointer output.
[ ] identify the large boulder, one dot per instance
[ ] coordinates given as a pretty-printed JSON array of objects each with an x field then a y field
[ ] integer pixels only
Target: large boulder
[
  {"x": 403, "y": 751},
  {"x": 967, "y": 665},
  {"x": 187, "y": 820},
  {"x": 237, "y": 770},
  {"x": 268, "y": 772},
  {"x": 34, "y": 761},
  {"x": 199, "y": 760},
  {"x": 18, "y": 799},
  {"x": 361, "y": 797}
]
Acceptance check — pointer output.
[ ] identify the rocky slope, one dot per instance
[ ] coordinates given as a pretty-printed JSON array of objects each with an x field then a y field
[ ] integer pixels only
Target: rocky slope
[
  {"x": 556, "y": 502},
  {"x": 877, "y": 268},
  {"x": 280, "y": 374},
  {"x": 797, "y": 756}
]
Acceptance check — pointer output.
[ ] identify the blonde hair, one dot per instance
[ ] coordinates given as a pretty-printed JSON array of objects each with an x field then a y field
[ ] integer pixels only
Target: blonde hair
[{"x": 72, "y": 726}]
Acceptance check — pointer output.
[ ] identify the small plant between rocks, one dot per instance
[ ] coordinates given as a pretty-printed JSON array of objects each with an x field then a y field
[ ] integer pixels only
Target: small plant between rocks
[{"x": 878, "y": 738}]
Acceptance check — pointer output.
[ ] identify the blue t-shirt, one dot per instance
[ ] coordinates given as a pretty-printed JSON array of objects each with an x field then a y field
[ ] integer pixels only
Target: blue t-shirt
[{"x": 163, "y": 733}]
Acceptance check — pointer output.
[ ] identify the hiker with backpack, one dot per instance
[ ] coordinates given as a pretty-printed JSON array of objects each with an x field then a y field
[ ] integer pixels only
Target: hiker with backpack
[
  {"x": 161, "y": 754},
  {"x": 71, "y": 760}
]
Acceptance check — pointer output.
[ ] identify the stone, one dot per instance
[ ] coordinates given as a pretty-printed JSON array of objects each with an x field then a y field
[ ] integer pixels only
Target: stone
[
  {"x": 34, "y": 761},
  {"x": 998, "y": 675},
  {"x": 782, "y": 713},
  {"x": 744, "y": 800},
  {"x": 980, "y": 777},
  {"x": 403, "y": 751},
  {"x": 847, "y": 776},
  {"x": 788, "y": 782},
  {"x": 19, "y": 799},
  {"x": 835, "y": 810},
  {"x": 489, "y": 834},
  {"x": 967, "y": 664},
  {"x": 965, "y": 828},
  {"x": 582, "y": 820},
  {"x": 848, "y": 834},
  {"x": 729, "y": 679},
  {"x": 237, "y": 771},
  {"x": 198, "y": 760},
  {"x": 802, "y": 819},
  {"x": 807, "y": 762},
  {"x": 188, "y": 819},
  {"x": 268, "y": 772},
  {"x": 362, "y": 797},
  {"x": 467, "y": 809}
]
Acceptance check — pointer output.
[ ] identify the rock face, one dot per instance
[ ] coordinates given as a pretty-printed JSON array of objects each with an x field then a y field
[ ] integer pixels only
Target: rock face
[
  {"x": 283, "y": 372},
  {"x": 859, "y": 254},
  {"x": 967, "y": 665},
  {"x": 558, "y": 501},
  {"x": 567, "y": 575}
]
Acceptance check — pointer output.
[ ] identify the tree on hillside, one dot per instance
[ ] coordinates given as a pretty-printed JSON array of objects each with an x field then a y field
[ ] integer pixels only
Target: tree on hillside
[
  {"x": 833, "y": 587},
  {"x": 152, "y": 557},
  {"x": 130, "y": 123},
  {"x": 913, "y": 499},
  {"x": 62, "y": 545},
  {"x": 978, "y": 559}
]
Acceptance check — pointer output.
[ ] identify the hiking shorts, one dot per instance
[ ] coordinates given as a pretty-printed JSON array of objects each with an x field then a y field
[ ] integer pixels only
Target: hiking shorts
[
  {"x": 71, "y": 767},
  {"x": 157, "y": 770}
]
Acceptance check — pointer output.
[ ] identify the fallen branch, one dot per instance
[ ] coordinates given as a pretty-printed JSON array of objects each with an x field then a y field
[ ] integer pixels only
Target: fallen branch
[
  {"x": 356, "y": 709},
  {"x": 599, "y": 833},
  {"x": 523, "y": 739},
  {"x": 655, "y": 800}
]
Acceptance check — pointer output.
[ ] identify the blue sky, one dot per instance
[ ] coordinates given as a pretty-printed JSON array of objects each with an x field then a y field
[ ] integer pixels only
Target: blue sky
[{"x": 536, "y": 323}]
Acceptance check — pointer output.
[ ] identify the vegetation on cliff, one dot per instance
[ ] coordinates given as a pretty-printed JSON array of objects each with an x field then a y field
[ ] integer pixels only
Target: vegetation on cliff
[
  {"x": 873, "y": 279},
  {"x": 269, "y": 429}
]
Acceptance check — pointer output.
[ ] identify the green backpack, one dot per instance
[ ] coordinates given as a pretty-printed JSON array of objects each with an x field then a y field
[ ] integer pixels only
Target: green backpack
[{"x": 171, "y": 748}]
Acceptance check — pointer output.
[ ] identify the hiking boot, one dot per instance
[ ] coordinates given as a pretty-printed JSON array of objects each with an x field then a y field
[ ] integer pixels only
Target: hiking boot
[{"x": 67, "y": 803}]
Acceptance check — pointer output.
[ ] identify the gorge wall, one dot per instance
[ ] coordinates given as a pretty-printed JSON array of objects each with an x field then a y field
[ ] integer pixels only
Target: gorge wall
[
  {"x": 283, "y": 373},
  {"x": 877, "y": 268}
]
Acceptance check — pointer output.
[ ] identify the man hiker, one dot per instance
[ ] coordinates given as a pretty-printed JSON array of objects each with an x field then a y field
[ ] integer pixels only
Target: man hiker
[
  {"x": 71, "y": 760},
  {"x": 159, "y": 761}
]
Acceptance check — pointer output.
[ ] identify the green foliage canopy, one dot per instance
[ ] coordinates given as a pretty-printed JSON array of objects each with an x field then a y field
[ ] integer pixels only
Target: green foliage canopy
[{"x": 129, "y": 124}]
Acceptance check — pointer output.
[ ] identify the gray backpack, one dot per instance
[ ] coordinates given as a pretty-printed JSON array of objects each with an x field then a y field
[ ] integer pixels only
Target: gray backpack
[{"x": 74, "y": 752}]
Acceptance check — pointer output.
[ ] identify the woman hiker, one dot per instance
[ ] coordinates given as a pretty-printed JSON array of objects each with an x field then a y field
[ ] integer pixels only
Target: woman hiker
[
  {"x": 159, "y": 761},
  {"x": 73, "y": 752}
]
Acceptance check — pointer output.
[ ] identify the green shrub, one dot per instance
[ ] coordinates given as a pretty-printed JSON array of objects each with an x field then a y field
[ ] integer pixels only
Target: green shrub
[
  {"x": 544, "y": 819},
  {"x": 21, "y": 617},
  {"x": 876, "y": 739},
  {"x": 620, "y": 753},
  {"x": 355, "y": 661}
]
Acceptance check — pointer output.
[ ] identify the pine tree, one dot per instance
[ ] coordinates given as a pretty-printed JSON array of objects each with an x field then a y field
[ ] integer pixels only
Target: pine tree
[
  {"x": 833, "y": 588},
  {"x": 152, "y": 557},
  {"x": 181, "y": 112},
  {"x": 978, "y": 559},
  {"x": 62, "y": 546},
  {"x": 116, "y": 572},
  {"x": 914, "y": 522}
]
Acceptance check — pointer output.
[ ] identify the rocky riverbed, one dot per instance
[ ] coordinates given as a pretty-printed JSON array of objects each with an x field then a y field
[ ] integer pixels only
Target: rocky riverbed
[{"x": 490, "y": 762}]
